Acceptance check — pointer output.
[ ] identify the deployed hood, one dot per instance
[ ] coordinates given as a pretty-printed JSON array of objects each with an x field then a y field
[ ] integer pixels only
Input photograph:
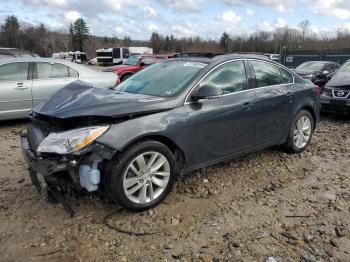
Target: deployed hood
[
  {"x": 340, "y": 79},
  {"x": 79, "y": 99}
]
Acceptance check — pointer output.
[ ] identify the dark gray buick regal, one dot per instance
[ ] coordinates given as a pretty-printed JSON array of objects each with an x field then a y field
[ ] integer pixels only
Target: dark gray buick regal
[{"x": 173, "y": 117}]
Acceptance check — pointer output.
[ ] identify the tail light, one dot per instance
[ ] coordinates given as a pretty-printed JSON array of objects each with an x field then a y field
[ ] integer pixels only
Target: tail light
[{"x": 318, "y": 89}]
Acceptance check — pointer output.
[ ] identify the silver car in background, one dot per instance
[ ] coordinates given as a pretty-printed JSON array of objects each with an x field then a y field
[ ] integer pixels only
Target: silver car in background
[{"x": 26, "y": 82}]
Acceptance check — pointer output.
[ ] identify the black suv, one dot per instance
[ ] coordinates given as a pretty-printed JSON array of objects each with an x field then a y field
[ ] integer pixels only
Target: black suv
[
  {"x": 175, "y": 116},
  {"x": 319, "y": 72},
  {"x": 336, "y": 94}
]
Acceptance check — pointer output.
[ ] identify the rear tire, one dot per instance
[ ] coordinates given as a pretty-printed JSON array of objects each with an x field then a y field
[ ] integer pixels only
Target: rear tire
[
  {"x": 300, "y": 133},
  {"x": 141, "y": 176}
]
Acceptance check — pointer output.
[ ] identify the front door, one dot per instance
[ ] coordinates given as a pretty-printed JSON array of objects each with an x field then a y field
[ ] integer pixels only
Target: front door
[
  {"x": 225, "y": 125},
  {"x": 15, "y": 90}
]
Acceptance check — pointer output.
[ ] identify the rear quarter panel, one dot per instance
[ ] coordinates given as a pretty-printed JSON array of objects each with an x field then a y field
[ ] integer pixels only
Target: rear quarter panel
[{"x": 305, "y": 97}]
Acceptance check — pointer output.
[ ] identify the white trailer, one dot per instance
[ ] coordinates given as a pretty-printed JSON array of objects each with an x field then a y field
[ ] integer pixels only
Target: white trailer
[{"x": 117, "y": 55}]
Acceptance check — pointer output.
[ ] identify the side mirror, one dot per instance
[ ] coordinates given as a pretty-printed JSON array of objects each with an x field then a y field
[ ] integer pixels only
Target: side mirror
[
  {"x": 142, "y": 64},
  {"x": 326, "y": 72},
  {"x": 206, "y": 92}
]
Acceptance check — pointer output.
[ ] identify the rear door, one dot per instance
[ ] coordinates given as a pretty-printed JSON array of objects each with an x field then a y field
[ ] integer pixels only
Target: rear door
[
  {"x": 15, "y": 90},
  {"x": 49, "y": 78},
  {"x": 274, "y": 101}
]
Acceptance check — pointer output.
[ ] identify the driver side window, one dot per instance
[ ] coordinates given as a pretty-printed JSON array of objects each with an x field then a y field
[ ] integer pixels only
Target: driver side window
[{"x": 229, "y": 77}]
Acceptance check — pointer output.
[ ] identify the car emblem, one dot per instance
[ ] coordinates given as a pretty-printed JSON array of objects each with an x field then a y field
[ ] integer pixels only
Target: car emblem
[{"x": 340, "y": 93}]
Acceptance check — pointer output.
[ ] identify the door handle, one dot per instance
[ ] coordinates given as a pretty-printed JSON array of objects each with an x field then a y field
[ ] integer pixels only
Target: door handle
[
  {"x": 247, "y": 105},
  {"x": 20, "y": 86}
]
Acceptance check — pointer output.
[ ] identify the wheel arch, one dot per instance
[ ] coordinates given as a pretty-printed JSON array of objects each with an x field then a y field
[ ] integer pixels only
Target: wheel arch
[
  {"x": 311, "y": 110},
  {"x": 174, "y": 148}
]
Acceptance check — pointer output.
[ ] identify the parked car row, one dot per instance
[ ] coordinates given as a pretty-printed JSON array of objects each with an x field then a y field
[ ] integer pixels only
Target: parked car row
[
  {"x": 319, "y": 72},
  {"x": 26, "y": 82}
]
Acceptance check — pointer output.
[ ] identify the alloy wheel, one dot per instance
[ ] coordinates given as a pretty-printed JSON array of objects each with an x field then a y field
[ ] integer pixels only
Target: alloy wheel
[
  {"x": 146, "y": 177},
  {"x": 302, "y": 132}
]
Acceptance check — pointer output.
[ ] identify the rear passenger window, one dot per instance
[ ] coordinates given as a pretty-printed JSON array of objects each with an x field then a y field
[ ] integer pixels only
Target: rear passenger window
[
  {"x": 48, "y": 70},
  {"x": 73, "y": 73},
  {"x": 14, "y": 72},
  {"x": 286, "y": 77},
  {"x": 266, "y": 74}
]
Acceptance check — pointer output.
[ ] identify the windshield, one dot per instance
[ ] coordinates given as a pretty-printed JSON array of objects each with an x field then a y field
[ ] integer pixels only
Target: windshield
[
  {"x": 162, "y": 79},
  {"x": 311, "y": 66},
  {"x": 345, "y": 68},
  {"x": 134, "y": 60}
]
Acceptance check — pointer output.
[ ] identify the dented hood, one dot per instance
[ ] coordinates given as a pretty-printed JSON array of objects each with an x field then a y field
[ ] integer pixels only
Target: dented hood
[{"x": 79, "y": 99}]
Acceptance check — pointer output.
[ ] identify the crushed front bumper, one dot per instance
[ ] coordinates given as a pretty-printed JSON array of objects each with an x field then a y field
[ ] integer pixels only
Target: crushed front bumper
[
  {"x": 40, "y": 165},
  {"x": 39, "y": 171}
]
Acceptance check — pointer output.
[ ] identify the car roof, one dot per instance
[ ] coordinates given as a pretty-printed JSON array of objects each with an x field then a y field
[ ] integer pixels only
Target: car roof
[
  {"x": 222, "y": 58},
  {"x": 27, "y": 59},
  {"x": 318, "y": 61},
  {"x": 78, "y": 67}
]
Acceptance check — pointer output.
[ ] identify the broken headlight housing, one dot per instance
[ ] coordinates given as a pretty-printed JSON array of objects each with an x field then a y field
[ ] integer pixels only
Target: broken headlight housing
[{"x": 71, "y": 142}]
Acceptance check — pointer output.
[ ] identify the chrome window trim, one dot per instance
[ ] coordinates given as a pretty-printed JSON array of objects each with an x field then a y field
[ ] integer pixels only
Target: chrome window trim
[
  {"x": 16, "y": 81},
  {"x": 186, "y": 102},
  {"x": 55, "y": 78}
]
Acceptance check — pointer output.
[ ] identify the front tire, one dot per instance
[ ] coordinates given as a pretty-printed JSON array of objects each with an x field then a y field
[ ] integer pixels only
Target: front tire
[
  {"x": 299, "y": 136},
  {"x": 141, "y": 176}
]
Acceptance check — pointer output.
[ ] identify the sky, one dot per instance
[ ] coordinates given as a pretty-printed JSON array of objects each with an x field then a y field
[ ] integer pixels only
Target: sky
[{"x": 182, "y": 18}]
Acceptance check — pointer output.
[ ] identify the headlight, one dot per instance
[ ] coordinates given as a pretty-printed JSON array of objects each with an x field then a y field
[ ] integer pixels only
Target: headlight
[
  {"x": 71, "y": 141},
  {"x": 309, "y": 76}
]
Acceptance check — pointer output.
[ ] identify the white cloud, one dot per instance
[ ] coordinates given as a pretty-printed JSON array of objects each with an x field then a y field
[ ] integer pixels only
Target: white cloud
[
  {"x": 335, "y": 8},
  {"x": 183, "y": 5},
  {"x": 281, "y": 6},
  {"x": 153, "y": 27},
  {"x": 249, "y": 12},
  {"x": 149, "y": 12},
  {"x": 265, "y": 26},
  {"x": 230, "y": 17},
  {"x": 51, "y": 3},
  {"x": 72, "y": 15},
  {"x": 281, "y": 22},
  {"x": 119, "y": 29},
  {"x": 346, "y": 26}
]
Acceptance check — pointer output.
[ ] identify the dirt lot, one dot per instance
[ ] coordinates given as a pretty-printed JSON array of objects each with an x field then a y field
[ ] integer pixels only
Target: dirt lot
[{"x": 266, "y": 204}]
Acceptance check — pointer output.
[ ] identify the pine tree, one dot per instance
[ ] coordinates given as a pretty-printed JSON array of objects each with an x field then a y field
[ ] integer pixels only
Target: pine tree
[
  {"x": 10, "y": 31},
  {"x": 225, "y": 42},
  {"x": 80, "y": 33}
]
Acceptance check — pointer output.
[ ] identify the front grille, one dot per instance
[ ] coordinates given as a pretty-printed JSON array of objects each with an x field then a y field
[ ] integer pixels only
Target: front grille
[
  {"x": 341, "y": 93},
  {"x": 327, "y": 92},
  {"x": 37, "y": 131}
]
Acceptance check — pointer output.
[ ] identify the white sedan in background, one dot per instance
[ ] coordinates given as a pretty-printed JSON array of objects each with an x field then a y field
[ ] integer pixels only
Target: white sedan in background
[{"x": 26, "y": 82}]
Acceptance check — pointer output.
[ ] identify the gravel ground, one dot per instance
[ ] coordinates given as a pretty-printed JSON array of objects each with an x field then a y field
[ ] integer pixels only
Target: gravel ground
[{"x": 266, "y": 204}]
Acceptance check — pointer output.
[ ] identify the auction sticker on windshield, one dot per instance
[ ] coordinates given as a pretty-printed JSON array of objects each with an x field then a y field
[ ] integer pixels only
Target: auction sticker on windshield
[{"x": 195, "y": 64}]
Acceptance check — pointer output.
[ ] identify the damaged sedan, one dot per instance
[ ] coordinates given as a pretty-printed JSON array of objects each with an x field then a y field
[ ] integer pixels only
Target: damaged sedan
[{"x": 173, "y": 117}]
